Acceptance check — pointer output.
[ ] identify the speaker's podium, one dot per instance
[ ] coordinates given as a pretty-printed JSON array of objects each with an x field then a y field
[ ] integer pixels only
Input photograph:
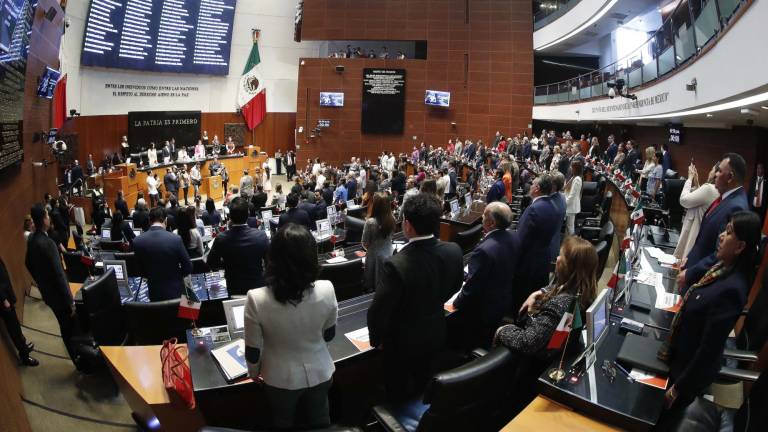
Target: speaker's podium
[
  {"x": 212, "y": 187},
  {"x": 123, "y": 178}
]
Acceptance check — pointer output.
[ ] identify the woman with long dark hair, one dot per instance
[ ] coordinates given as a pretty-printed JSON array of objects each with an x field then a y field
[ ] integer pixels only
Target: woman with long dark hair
[
  {"x": 211, "y": 216},
  {"x": 710, "y": 307},
  {"x": 186, "y": 228},
  {"x": 575, "y": 271},
  {"x": 287, "y": 326},
  {"x": 377, "y": 237},
  {"x": 120, "y": 230}
]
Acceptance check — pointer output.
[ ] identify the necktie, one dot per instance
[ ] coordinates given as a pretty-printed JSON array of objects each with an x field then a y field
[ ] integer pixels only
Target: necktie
[{"x": 714, "y": 205}]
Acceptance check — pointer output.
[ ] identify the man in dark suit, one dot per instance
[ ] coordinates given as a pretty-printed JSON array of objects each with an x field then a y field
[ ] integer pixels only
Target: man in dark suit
[
  {"x": 632, "y": 161},
  {"x": 240, "y": 251},
  {"x": 172, "y": 148},
  {"x": 294, "y": 214},
  {"x": 327, "y": 193},
  {"x": 487, "y": 294},
  {"x": 666, "y": 160},
  {"x": 77, "y": 176},
  {"x": 162, "y": 258},
  {"x": 728, "y": 181},
  {"x": 259, "y": 199},
  {"x": 166, "y": 151},
  {"x": 312, "y": 210},
  {"x": 170, "y": 182},
  {"x": 758, "y": 192},
  {"x": 558, "y": 199},
  {"x": 406, "y": 319},
  {"x": 470, "y": 150},
  {"x": 610, "y": 152},
  {"x": 565, "y": 160},
  {"x": 121, "y": 205},
  {"x": 351, "y": 187},
  {"x": 538, "y": 225},
  {"x": 496, "y": 191},
  {"x": 8, "y": 315},
  {"x": 44, "y": 264}
]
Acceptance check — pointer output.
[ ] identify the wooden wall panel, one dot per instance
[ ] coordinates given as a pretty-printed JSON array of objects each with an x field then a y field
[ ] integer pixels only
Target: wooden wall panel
[
  {"x": 494, "y": 94},
  {"x": 100, "y": 135},
  {"x": 20, "y": 188}
]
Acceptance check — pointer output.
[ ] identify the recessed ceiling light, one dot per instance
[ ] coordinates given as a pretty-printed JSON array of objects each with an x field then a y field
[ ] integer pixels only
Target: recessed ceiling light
[
  {"x": 765, "y": 107},
  {"x": 710, "y": 115}
]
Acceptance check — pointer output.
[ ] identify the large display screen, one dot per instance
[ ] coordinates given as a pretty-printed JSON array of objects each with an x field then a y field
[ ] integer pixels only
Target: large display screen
[
  {"x": 48, "y": 82},
  {"x": 190, "y": 36},
  {"x": 330, "y": 99},
  {"x": 383, "y": 110},
  {"x": 160, "y": 126},
  {"x": 15, "y": 25},
  {"x": 437, "y": 98}
]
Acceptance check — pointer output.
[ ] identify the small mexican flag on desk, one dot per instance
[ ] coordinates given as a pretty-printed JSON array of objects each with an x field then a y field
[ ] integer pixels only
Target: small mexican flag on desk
[{"x": 252, "y": 95}]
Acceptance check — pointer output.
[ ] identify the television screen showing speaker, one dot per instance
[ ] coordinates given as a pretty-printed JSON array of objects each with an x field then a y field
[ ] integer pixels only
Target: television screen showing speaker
[
  {"x": 47, "y": 83},
  {"x": 189, "y": 36},
  {"x": 331, "y": 99},
  {"x": 437, "y": 98}
]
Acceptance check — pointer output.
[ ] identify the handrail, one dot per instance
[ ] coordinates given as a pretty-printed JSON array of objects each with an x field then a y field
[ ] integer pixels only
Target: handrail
[{"x": 625, "y": 67}]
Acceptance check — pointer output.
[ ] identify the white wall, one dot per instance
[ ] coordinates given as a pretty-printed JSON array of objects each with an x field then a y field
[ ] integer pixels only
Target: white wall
[
  {"x": 570, "y": 21},
  {"x": 735, "y": 67},
  {"x": 279, "y": 59}
]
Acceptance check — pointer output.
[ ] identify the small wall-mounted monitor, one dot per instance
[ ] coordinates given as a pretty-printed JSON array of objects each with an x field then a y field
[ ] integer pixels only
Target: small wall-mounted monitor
[
  {"x": 597, "y": 316},
  {"x": 330, "y": 99},
  {"x": 47, "y": 84},
  {"x": 437, "y": 98}
]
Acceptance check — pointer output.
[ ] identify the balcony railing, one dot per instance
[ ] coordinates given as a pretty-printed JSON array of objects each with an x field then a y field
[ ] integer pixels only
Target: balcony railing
[
  {"x": 552, "y": 10},
  {"x": 686, "y": 31}
]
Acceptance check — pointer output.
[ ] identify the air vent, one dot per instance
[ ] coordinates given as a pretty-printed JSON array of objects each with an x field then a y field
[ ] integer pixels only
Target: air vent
[{"x": 618, "y": 16}]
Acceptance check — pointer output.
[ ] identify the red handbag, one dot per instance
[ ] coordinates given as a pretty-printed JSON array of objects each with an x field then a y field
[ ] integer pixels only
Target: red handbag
[{"x": 177, "y": 377}]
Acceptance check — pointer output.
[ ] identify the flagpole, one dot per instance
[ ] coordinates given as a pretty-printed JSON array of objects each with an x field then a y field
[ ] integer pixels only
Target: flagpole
[{"x": 557, "y": 374}]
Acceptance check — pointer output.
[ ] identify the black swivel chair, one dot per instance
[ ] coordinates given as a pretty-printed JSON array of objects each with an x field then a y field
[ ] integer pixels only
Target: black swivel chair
[
  {"x": 354, "y": 227},
  {"x": 589, "y": 200},
  {"x": 470, "y": 397},
  {"x": 468, "y": 239},
  {"x": 109, "y": 245},
  {"x": 105, "y": 311},
  {"x": 605, "y": 207},
  {"x": 607, "y": 233},
  {"x": 347, "y": 278},
  {"x": 602, "y": 250},
  {"x": 672, "y": 189},
  {"x": 76, "y": 270},
  {"x": 358, "y": 212},
  {"x": 154, "y": 322},
  {"x": 199, "y": 266}
]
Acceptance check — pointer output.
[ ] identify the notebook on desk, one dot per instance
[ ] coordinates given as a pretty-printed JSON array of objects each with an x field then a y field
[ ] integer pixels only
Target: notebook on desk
[{"x": 641, "y": 352}]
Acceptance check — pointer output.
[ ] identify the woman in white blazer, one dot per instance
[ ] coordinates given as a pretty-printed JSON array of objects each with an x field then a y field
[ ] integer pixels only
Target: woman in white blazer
[
  {"x": 287, "y": 326},
  {"x": 695, "y": 199},
  {"x": 573, "y": 196}
]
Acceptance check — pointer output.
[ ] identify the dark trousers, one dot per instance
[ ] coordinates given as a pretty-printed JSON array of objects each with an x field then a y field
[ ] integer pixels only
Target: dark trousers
[
  {"x": 307, "y": 407},
  {"x": 279, "y": 166},
  {"x": 13, "y": 327},
  {"x": 152, "y": 200},
  {"x": 67, "y": 328},
  {"x": 405, "y": 376},
  {"x": 290, "y": 171},
  {"x": 186, "y": 193}
]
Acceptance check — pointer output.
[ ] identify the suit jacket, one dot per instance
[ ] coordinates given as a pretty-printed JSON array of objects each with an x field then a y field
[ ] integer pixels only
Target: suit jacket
[
  {"x": 293, "y": 353},
  {"x": 259, "y": 200},
  {"x": 240, "y": 251},
  {"x": 6, "y": 289},
  {"x": 141, "y": 219},
  {"x": 753, "y": 193},
  {"x": 666, "y": 163},
  {"x": 314, "y": 211},
  {"x": 538, "y": 225},
  {"x": 407, "y": 315},
  {"x": 351, "y": 189},
  {"x": 496, "y": 192},
  {"x": 610, "y": 153},
  {"x": 470, "y": 151},
  {"x": 487, "y": 294},
  {"x": 122, "y": 207},
  {"x": 631, "y": 161},
  {"x": 44, "y": 264},
  {"x": 708, "y": 316},
  {"x": 170, "y": 183},
  {"x": 702, "y": 255},
  {"x": 558, "y": 199},
  {"x": 297, "y": 216},
  {"x": 164, "y": 260}
]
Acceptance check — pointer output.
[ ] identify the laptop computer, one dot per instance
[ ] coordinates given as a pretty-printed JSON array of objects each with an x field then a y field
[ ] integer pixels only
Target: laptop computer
[
  {"x": 641, "y": 352},
  {"x": 121, "y": 274},
  {"x": 234, "y": 310}
]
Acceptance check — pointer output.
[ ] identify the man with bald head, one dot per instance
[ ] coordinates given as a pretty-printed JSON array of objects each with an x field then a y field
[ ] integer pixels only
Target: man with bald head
[{"x": 488, "y": 292}]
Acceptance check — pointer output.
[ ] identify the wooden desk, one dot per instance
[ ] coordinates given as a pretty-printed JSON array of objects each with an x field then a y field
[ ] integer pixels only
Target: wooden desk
[
  {"x": 137, "y": 371},
  {"x": 545, "y": 415}
]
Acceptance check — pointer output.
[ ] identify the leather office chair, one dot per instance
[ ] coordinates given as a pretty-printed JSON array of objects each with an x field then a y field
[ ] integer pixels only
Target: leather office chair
[
  {"x": 105, "y": 310},
  {"x": 672, "y": 189},
  {"x": 470, "y": 397},
  {"x": 153, "y": 322},
  {"x": 347, "y": 278},
  {"x": 76, "y": 270},
  {"x": 199, "y": 266},
  {"x": 605, "y": 207},
  {"x": 602, "y": 250},
  {"x": 468, "y": 239},
  {"x": 131, "y": 264},
  {"x": 273, "y": 208},
  {"x": 109, "y": 245},
  {"x": 354, "y": 227},
  {"x": 607, "y": 233},
  {"x": 358, "y": 213},
  {"x": 589, "y": 200}
]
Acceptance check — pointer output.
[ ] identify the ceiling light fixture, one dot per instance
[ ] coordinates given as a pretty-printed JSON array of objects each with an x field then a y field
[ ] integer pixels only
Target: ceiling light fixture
[
  {"x": 749, "y": 100},
  {"x": 578, "y": 30},
  {"x": 765, "y": 107}
]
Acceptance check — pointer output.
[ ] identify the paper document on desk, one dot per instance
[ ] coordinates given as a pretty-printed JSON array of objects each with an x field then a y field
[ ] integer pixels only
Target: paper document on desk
[
  {"x": 335, "y": 260},
  {"x": 448, "y": 306},
  {"x": 664, "y": 300},
  {"x": 645, "y": 265},
  {"x": 360, "y": 339},
  {"x": 231, "y": 359},
  {"x": 649, "y": 379}
]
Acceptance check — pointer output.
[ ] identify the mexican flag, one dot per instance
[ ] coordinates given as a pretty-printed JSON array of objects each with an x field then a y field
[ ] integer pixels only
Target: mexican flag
[
  {"x": 189, "y": 305},
  {"x": 618, "y": 272},
  {"x": 568, "y": 322},
  {"x": 625, "y": 241},
  {"x": 252, "y": 95},
  {"x": 638, "y": 218}
]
